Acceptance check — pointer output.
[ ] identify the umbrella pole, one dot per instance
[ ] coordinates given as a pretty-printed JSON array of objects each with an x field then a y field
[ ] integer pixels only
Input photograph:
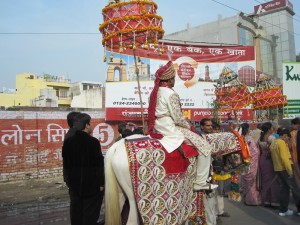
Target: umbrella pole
[{"x": 139, "y": 89}]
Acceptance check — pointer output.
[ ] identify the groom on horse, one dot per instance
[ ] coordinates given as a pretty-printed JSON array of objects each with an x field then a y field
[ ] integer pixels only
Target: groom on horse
[{"x": 167, "y": 123}]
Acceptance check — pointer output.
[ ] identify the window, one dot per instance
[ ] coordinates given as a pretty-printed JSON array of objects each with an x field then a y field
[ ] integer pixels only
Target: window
[
  {"x": 63, "y": 94},
  {"x": 266, "y": 57},
  {"x": 246, "y": 37}
]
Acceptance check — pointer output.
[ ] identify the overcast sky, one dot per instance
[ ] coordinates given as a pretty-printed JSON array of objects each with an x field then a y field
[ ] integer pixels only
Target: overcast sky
[{"x": 72, "y": 47}]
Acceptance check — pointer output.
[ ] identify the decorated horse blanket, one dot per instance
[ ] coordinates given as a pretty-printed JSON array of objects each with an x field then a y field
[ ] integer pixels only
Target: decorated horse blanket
[{"x": 163, "y": 184}]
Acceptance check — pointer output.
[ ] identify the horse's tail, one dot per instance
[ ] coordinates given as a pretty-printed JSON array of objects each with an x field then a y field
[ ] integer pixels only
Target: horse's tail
[{"x": 112, "y": 208}]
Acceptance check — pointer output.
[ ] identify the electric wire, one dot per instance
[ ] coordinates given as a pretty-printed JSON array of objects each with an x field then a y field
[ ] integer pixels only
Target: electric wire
[
  {"x": 93, "y": 33},
  {"x": 230, "y": 7}
]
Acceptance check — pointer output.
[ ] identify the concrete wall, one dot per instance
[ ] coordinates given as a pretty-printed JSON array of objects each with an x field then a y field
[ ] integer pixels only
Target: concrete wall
[
  {"x": 31, "y": 141},
  {"x": 90, "y": 99},
  {"x": 223, "y": 30}
]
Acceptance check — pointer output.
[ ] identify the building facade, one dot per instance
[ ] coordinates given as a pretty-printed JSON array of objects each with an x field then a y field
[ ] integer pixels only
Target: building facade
[
  {"x": 87, "y": 94},
  {"x": 269, "y": 28},
  {"x": 32, "y": 90},
  {"x": 52, "y": 91}
]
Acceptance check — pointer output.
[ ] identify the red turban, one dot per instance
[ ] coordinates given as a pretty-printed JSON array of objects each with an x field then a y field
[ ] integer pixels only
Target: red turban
[{"x": 165, "y": 72}]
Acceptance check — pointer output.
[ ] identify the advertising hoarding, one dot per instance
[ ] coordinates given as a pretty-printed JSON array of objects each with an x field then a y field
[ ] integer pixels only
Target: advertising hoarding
[
  {"x": 272, "y": 5},
  {"x": 291, "y": 84},
  {"x": 197, "y": 70}
]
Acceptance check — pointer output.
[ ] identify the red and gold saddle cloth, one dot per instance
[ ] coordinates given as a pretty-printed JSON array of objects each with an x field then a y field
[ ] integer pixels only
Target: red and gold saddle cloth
[{"x": 163, "y": 184}]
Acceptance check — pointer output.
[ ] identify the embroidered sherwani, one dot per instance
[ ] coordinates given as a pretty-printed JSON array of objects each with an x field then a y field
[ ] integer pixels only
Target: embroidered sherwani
[{"x": 171, "y": 123}]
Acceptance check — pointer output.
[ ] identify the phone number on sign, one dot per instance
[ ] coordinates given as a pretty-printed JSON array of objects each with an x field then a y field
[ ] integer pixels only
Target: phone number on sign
[{"x": 128, "y": 103}]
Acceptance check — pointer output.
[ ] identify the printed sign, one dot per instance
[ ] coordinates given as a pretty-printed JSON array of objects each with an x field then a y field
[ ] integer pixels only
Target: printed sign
[
  {"x": 272, "y": 5},
  {"x": 197, "y": 70},
  {"x": 291, "y": 83}
]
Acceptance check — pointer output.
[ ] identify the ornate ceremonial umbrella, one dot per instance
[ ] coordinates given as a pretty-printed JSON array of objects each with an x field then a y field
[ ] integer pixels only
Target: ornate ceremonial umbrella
[
  {"x": 231, "y": 94},
  {"x": 131, "y": 24},
  {"x": 267, "y": 96}
]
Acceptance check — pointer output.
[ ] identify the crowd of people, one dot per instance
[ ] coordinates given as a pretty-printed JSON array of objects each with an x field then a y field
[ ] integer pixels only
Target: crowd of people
[
  {"x": 274, "y": 169},
  {"x": 272, "y": 174}
]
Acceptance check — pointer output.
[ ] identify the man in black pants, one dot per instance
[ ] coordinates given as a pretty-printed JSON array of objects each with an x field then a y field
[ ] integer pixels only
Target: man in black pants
[
  {"x": 283, "y": 166},
  {"x": 84, "y": 172}
]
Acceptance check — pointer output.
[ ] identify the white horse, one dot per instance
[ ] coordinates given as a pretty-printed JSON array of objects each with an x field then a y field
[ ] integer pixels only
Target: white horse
[{"x": 118, "y": 182}]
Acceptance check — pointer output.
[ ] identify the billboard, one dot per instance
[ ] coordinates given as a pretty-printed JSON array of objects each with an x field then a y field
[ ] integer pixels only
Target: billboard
[
  {"x": 272, "y": 5},
  {"x": 197, "y": 70},
  {"x": 291, "y": 84}
]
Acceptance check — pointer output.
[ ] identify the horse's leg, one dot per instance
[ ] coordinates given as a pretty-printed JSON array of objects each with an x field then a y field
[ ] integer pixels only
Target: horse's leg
[
  {"x": 121, "y": 168},
  {"x": 112, "y": 209}
]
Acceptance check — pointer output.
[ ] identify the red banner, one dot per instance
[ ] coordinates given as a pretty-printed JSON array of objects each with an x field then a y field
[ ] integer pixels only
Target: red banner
[{"x": 200, "y": 53}]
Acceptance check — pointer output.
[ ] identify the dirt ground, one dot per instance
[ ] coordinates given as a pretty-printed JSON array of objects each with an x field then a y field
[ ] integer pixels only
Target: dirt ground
[
  {"x": 41, "y": 190},
  {"x": 34, "y": 201}
]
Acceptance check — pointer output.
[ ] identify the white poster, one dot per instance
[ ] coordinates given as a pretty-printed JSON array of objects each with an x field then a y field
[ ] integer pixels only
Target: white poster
[{"x": 291, "y": 86}]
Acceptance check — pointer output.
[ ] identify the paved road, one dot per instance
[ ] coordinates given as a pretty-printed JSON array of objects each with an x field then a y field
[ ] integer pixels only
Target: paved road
[
  {"x": 57, "y": 213},
  {"x": 256, "y": 215},
  {"x": 35, "y": 213}
]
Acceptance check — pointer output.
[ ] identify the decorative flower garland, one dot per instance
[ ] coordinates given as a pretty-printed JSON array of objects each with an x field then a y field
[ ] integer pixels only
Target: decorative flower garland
[
  {"x": 270, "y": 97},
  {"x": 260, "y": 91},
  {"x": 235, "y": 101},
  {"x": 279, "y": 104},
  {"x": 236, "y": 98},
  {"x": 139, "y": 2},
  {"x": 126, "y": 18},
  {"x": 154, "y": 41},
  {"x": 141, "y": 26},
  {"x": 245, "y": 153}
]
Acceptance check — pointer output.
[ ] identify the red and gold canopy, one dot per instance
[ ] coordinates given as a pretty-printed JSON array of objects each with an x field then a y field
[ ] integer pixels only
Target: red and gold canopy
[
  {"x": 267, "y": 94},
  {"x": 231, "y": 94},
  {"x": 131, "y": 23}
]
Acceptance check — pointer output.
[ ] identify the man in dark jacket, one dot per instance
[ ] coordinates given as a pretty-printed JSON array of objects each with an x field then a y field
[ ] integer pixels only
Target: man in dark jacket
[
  {"x": 84, "y": 167},
  {"x": 71, "y": 132}
]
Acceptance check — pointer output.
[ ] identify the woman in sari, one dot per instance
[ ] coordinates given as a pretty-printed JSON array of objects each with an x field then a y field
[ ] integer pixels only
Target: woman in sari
[
  {"x": 251, "y": 193},
  {"x": 269, "y": 183}
]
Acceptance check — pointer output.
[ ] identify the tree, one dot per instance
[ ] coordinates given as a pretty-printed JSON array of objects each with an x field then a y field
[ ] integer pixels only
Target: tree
[
  {"x": 298, "y": 57},
  {"x": 48, "y": 77}
]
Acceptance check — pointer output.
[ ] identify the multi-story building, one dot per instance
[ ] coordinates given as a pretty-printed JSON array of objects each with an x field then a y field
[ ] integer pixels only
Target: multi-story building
[
  {"x": 32, "y": 90},
  {"x": 52, "y": 91},
  {"x": 269, "y": 28}
]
